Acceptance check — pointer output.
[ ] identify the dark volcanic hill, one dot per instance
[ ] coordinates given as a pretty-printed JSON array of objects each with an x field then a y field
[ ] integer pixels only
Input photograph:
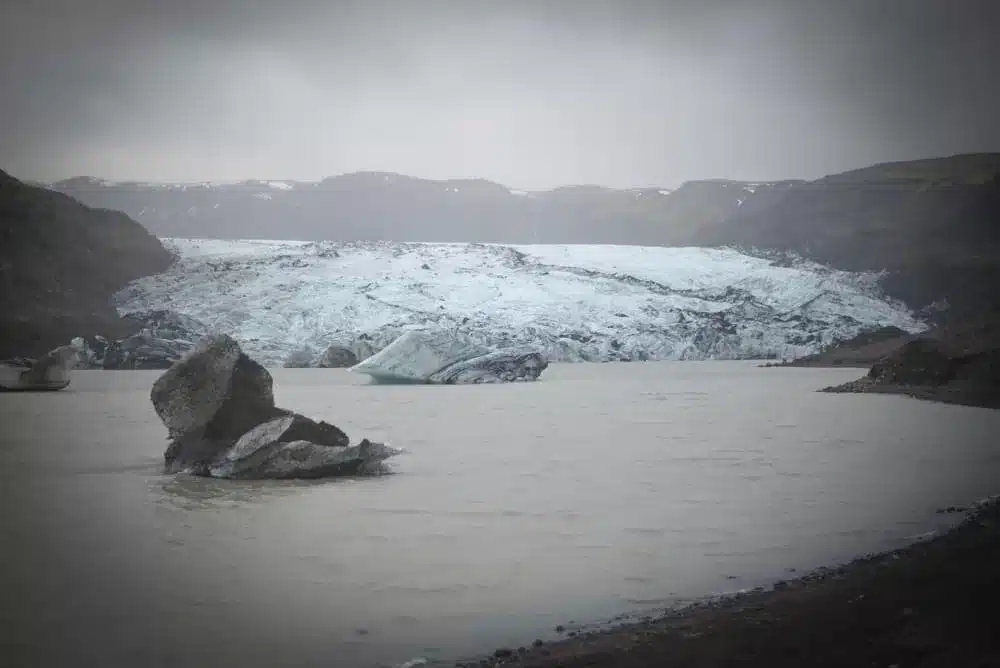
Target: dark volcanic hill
[
  {"x": 60, "y": 263},
  {"x": 930, "y": 224}
]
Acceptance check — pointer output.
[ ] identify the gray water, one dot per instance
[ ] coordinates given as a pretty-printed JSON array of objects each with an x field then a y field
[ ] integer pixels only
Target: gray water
[{"x": 603, "y": 489}]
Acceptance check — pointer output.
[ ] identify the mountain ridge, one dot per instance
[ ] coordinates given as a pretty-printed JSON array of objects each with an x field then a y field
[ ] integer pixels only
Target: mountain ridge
[{"x": 929, "y": 224}]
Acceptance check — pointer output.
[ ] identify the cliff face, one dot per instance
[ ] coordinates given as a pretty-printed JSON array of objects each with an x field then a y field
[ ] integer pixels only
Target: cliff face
[{"x": 60, "y": 264}]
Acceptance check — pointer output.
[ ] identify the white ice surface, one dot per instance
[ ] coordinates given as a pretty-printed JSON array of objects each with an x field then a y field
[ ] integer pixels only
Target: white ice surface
[{"x": 571, "y": 302}]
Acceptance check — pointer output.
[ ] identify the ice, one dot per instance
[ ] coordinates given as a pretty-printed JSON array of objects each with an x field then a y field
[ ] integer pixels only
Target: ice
[
  {"x": 279, "y": 185},
  {"x": 572, "y": 303},
  {"x": 416, "y": 356},
  {"x": 262, "y": 196}
]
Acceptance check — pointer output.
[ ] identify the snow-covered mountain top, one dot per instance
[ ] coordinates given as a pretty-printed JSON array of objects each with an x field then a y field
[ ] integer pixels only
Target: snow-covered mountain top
[{"x": 572, "y": 302}]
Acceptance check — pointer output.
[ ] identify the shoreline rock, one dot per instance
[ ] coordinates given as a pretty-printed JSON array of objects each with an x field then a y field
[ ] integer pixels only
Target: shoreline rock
[{"x": 931, "y": 369}]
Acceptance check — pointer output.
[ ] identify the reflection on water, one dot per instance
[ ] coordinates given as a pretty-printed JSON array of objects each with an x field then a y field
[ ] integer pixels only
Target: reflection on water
[
  {"x": 187, "y": 492},
  {"x": 601, "y": 490}
]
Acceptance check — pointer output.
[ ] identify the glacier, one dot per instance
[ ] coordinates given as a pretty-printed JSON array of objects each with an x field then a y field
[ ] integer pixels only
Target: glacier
[{"x": 573, "y": 303}]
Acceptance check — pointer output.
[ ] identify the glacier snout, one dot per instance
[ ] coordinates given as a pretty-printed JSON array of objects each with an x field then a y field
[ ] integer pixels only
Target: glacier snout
[{"x": 568, "y": 303}]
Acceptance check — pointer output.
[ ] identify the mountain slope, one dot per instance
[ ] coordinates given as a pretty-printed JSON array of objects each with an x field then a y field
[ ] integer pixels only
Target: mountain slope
[
  {"x": 60, "y": 263},
  {"x": 573, "y": 302},
  {"x": 932, "y": 225}
]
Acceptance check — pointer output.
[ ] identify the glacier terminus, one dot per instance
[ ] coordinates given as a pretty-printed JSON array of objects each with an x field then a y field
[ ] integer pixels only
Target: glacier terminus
[{"x": 572, "y": 303}]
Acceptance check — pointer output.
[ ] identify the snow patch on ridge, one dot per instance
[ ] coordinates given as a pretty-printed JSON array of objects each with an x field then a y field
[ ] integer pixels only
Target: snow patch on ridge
[{"x": 573, "y": 303}]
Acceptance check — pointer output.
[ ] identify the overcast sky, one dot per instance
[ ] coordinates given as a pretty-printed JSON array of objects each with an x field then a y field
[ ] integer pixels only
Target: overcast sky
[{"x": 530, "y": 94}]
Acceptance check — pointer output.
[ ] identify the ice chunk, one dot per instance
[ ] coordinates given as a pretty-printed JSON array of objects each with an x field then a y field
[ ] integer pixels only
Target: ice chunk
[{"x": 417, "y": 355}]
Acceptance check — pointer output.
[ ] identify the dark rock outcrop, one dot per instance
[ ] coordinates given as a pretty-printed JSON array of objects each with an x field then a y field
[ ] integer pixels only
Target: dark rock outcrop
[
  {"x": 60, "y": 264},
  {"x": 957, "y": 363},
  {"x": 209, "y": 399},
  {"x": 218, "y": 407},
  {"x": 919, "y": 362}
]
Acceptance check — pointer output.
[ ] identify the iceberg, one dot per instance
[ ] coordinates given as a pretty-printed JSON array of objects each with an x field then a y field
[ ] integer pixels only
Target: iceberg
[{"x": 439, "y": 357}]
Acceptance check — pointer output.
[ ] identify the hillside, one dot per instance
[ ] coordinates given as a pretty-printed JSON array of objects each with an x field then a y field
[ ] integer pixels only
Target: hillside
[
  {"x": 60, "y": 264},
  {"x": 932, "y": 225}
]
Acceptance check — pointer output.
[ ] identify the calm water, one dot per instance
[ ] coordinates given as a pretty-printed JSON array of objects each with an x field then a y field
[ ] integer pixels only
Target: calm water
[{"x": 600, "y": 490}]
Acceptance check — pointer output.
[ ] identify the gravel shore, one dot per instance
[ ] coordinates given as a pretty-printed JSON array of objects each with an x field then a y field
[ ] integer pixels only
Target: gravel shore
[{"x": 931, "y": 604}]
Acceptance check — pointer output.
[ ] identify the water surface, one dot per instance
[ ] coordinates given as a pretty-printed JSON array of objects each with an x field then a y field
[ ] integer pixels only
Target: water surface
[{"x": 602, "y": 489}]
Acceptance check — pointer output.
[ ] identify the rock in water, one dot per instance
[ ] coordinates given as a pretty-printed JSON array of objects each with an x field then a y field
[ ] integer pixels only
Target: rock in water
[
  {"x": 337, "y": 357},
  {"x": 218, "y": 406},
  {"x": 209, "y": 399},
  {"x": 502, "y": 366},
  {"x": 294, "y": 446},
  {"x": 440, "y": 357}
]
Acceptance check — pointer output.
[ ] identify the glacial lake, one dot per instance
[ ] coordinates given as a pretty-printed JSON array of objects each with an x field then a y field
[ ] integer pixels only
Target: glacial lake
[{"x": 600, "y": 490}]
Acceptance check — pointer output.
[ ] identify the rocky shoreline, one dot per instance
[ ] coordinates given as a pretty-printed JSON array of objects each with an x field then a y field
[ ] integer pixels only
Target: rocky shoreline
[
  {"x": 957, "y": 362},
  {"x": 958, "y": 396},
  {"x": 931, "y": 603}
]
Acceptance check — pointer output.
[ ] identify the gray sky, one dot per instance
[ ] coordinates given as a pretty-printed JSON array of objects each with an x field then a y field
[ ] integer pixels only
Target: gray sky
[{"x": 530, "y": 94}]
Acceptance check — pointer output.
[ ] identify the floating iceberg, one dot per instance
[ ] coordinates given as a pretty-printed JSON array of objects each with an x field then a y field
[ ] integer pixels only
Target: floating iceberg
[{"x": 441, "y": 357}]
